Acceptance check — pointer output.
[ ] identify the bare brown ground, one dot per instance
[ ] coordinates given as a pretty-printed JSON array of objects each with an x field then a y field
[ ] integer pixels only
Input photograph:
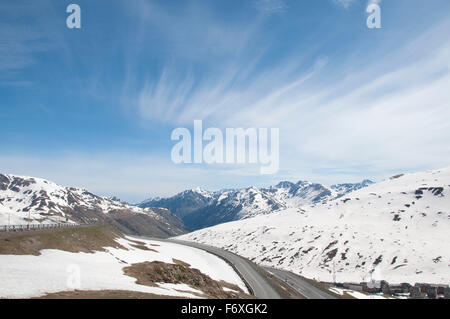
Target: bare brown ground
[
  {"x": 79, "y": 239},
  {"x": 142, "y": 247},
  {"x": 103, "y": 294},
  {"x": 151, "y": 273}
]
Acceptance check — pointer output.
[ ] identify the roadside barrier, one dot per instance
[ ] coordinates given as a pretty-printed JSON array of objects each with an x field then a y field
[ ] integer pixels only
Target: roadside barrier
[{"x": 30, "y": 227}]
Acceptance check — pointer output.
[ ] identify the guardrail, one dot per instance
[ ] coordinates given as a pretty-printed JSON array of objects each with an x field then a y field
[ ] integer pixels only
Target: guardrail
[{"x": 15, "y": 228}]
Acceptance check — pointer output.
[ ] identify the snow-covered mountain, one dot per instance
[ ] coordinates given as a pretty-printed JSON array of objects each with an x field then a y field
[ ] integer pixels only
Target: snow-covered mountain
[
  {"x": 232, "y": 205},
  {"x": 299, "y": 194},
  {"x": 397, "y": 230},
  {"x": 200, "y": 208},
  {"x": 183, "y": 203},
  {"x": 342, "y": 189},
  {"x": 36, "y": 200}
]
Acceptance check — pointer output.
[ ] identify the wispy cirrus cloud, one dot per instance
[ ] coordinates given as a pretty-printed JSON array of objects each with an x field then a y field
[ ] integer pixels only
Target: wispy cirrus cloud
[
  {"x": 374, "y": 118},
  {"x": 17, "y": 48},
  {"x": 349, "y": 102},
  {"x": 271, "y": 6},
  {"x": 24, "y": 36},
  {"x": 344, "y": 3}
]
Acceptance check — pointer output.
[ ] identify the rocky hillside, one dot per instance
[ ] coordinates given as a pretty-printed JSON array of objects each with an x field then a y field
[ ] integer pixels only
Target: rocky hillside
[
  {"x": 199, "y": 208},
  {"x": 397, "y": 230},
  {"x": 184, "y": 203},
  {"x": 34, "y": 200},
  {"x": 232, "y": 205}
]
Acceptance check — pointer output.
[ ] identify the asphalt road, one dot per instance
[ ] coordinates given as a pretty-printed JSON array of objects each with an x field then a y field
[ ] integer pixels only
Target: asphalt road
[
  {"x": 260, "y": 287},
  {"x": 305, "y": 288}
]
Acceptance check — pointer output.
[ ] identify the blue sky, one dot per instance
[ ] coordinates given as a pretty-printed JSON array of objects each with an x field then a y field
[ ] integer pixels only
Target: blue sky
[{"x": 95, "y": 107}]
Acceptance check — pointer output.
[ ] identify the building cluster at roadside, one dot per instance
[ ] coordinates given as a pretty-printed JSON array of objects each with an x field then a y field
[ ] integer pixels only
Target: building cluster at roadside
[{"x": 406, "y": 290}]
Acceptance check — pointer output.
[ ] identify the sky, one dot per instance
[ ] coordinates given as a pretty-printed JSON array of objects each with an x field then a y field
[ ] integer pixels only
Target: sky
[{"x": 95, "y": 107}]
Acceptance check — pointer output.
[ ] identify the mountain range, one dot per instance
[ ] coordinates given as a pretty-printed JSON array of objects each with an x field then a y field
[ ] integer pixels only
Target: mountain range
[
  {"x": 199, "y": 208},
  {"x": 396, "y": 229},
  {"x": 26, "y": 200}
]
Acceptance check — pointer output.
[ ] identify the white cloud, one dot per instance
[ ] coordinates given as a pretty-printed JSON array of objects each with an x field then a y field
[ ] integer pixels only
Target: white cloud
[{"x": 344, "y": 3}]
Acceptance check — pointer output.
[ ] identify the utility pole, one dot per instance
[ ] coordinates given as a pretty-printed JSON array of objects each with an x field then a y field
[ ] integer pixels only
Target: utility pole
[{"x": 334, "y": 272}]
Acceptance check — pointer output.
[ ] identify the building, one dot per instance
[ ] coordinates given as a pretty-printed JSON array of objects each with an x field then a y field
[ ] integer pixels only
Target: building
[{"x": 354, "y": 286}]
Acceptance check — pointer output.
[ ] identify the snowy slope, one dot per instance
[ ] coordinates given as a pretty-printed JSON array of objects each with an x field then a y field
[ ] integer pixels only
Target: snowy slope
[
  {"x": 36, "y": 200},
  {"x": 32, "y": 276},
  {"x": 342, "y": 189},
  {"x": 397, "y": 230}
]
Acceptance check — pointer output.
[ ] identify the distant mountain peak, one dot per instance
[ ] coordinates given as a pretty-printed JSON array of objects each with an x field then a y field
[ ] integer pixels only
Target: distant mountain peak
[{"x": 285, "y": 184}]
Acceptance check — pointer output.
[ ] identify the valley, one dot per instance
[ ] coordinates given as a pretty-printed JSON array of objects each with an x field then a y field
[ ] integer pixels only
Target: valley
[{"x": 372, "y": 237}]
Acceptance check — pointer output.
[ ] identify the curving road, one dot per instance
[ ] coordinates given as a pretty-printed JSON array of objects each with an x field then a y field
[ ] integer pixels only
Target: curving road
[{"x": 258, "y": 284}]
